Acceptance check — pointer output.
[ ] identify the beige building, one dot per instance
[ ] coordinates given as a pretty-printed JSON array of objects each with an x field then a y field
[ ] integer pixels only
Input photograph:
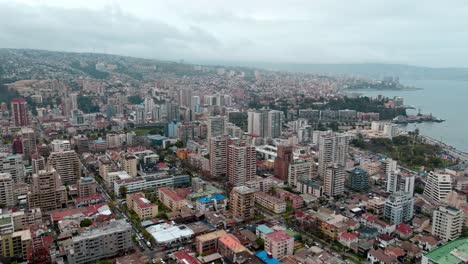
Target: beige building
[
  {"x": 141, "y": 206},
  {"x": 129, "y": 164},
  {"x": 447, "y": 223},
  {"x": 86, "y": 187},
  {"x": 171, "y": 199},
  {"x": 15, "y": 244},
  {"x": 47, "y": 191},
  {"x": 6, "y": 190},
  {"x": 67, "y": 164},
  {"x": 279, "y": 244},
  {"x": 24, "y": 218},
  {"x": 270, "y": 203},
  {"x": 377, "y": 205},
  {"x": 208, "y": 243},
  {"x": 241, "y": 202},
  {"x": 241, "y": 166},
  {"x": 230, "y": 247}
]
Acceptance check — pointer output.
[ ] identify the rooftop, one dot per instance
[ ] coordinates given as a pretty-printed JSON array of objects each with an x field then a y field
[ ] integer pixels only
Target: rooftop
[
  {"x": 265, "y": 229},
  {"x": 279, "y": 235},
  {"x": 174, "y": 196},
  {"x": 263, "y": 255},
  {"x": 230, "y": 242},
  {"x": 454, "y": 252}
]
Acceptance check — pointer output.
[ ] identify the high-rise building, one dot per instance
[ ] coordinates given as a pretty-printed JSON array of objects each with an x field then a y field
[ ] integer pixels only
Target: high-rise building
[
  {"x": 47, "y": 191},
  {"x": 185, "y": 97},
  {"x": 13, "y": 164},
  {"x": 172, "y": 111},
  {"x": 129, "y": 164},
  {"x": 300, "y": 170},
  {"x": 101, "y": 242},
  {"x": 284, "y": 157},
  {"x": 400, "y": 182},
  {"x": 275, "y": 123},
  {"x": 437, "y": 187},
  {"x": 60, "y": 145},
  {"x": 195, "y": 104},
  {"x": 333, "y": 149},
  {"x": 334, "y": 180},
  {"x": 257, "y": 123},
  {"x": 15, "y": 244},
  {"x": 218, "y": 157},
  {"x": 447, "y": 223},
  {"x": 216, "y": 126},
  {"x": 241, "y": 202},
  {"x": 20, "y": 112},
  {"x": 6, "y": 190},
  {"x": 359, "y": 180},
  {"x": 399, "y": 207},
  {"x": 241, "y": 162},
  {"x": 37, "y": 162},
  {"x": 86, "y": 187},
  {"x": 67, "y": 164},
  {"x": 17, "y": 146},
  {"x": 28, "y": 140},
  {"x": 74, "y": 100}
]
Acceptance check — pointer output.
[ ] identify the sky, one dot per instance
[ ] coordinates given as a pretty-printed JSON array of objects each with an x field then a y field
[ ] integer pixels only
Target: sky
[{"x": 428, "y": 33}]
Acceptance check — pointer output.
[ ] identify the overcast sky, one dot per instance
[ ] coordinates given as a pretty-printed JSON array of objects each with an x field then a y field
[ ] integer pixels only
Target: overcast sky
[{"x": 431, "y": 33}]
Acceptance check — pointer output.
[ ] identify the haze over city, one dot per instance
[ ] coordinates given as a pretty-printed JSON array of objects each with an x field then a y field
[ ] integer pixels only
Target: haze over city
[{"x": 406, "y": 32}]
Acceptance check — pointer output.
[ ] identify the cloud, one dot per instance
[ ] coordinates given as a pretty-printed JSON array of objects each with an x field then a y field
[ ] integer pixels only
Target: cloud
[{"x": 302, "y": 31}]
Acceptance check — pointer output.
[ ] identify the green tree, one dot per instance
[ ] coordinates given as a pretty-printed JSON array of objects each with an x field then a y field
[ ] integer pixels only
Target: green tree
[
  {"x": 123, "y": 191},
  {"x": 260, "y": 242},
  {"x": 135, "y": 99},
  {"x": 86, "y": 222}
]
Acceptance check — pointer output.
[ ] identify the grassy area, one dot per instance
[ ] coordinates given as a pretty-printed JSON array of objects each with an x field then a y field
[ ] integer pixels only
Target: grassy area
[{"x": 408, "y": 150}]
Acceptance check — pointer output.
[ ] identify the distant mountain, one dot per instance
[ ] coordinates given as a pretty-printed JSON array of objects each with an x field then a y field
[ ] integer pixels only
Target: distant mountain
[{"x": 376, "y": 70}]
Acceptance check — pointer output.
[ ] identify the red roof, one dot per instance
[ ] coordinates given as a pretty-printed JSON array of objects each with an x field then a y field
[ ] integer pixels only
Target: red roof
[
  {"x": 348, "y": 236},
  {"x": 171, "y": 194},
  {"x": 404, "y": 228},
  {"x": 183, "y": 257},
  {"x": 141, "y": 201},
  {"x": 369, "y": 217},
  {"x": 385, "y": 237},
  {"x": 279, "y": 235}
]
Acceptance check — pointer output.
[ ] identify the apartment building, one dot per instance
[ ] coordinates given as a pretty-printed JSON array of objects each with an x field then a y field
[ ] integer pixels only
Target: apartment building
[
  {"x": 67, "y": 164},
  {"x": 241, "y": 202},
  {"x": 47, "y": 191},
  {"x": 270, "y": 203},
  {"x": 171, "y": 199},
  {"x": 279, "y": 244},
  {"x": 208, "y": 243},
  {"x": 447, "y": 223},
  {"x": 141, "y": 206},
  {"x": 6, "y": 190}
]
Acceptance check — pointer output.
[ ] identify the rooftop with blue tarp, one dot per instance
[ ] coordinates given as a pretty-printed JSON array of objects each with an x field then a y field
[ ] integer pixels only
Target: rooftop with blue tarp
[
  {"x": 263, "y": 255},
  {"x": 216, "y": 197}
]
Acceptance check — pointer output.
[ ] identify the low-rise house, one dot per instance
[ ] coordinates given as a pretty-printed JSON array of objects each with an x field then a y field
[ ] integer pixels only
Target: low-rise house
[
  {"x": 347, "y": 238},
  {"x": 404, "y": 231},
  {"x": 379, "y": 257}
]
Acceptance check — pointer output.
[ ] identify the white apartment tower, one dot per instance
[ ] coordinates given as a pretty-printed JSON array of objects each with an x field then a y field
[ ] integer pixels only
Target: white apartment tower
[
  {"x": 334, "y": 180},
  {"x": 438, "y": 186},
  {"x": 67, "y": 165},
  {"x": 333, "y": 149},
  {"x": 447, "y": 223},
  {"x": 6, "y": 190},
  {"x": 399, "y": 207}
]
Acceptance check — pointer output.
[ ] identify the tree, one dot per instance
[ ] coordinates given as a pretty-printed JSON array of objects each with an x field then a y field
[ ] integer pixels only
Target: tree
[
  {"x": 123, "y": 191},
  {"x": 135, "y": 99},
  {"x": 86, "y": 222},
  {"x": 260, "y": 242}
]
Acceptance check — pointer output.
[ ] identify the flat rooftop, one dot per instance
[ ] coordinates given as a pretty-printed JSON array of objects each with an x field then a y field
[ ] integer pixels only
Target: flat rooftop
[{"x": 454, "y": 252}]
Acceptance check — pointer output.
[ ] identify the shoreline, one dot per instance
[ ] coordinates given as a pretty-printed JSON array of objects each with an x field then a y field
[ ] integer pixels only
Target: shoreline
[{"x": 385, "y": 90}]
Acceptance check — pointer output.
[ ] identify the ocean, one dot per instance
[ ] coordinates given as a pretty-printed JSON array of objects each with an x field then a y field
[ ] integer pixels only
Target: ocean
[{"x": 447, "y": 100}]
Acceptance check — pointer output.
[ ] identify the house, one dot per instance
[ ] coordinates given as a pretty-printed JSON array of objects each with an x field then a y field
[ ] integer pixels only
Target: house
[
  {"x": 420, "y": 224},
  {"x": 426, "y": 242},
  {"x": 404, "y": 231},
  {"x": 386, "y": 240},
  {"x": 379, "y": 257},
  {"x": 347, "y": 238},
  {"x": 395, "y": 251}
]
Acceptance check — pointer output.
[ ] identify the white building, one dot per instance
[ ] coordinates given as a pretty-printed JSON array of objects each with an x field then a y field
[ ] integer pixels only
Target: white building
[
  {"x": 6, "y": 190},
  {"x": 438, "y": 186},
  {"x": 61, "y": 145},
  {"x": 333, "y": 149},
  {"x": 13, "y": 164},
  {"x": 334, "y": 180},
  {"x": 300, "y": 170},
  {"x": 447, "y": 223},
  {"x": 399, "y": 207}
]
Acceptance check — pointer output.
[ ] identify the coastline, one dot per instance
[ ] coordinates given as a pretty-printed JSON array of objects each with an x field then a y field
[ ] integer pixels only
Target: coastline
[{"x": 385, "y": 90}]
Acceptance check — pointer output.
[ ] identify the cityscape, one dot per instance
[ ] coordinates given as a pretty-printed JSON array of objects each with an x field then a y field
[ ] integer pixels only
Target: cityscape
[{"x": 120, "y": 159}]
